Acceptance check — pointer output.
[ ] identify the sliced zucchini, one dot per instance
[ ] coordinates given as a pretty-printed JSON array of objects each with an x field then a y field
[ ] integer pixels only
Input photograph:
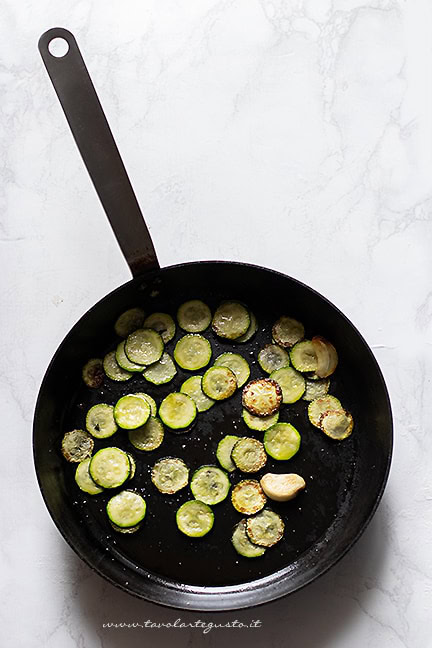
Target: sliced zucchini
[
  {"x": 100, "y": 421},
  {"x": 337, "y": 424},
  {"x": 194, "y": 316},
  {"x": 237, "y": 364},
  {"x": 210, "y": 485},
  {"x": 282, "y": 488},
  {"x": 194, "y": 518},
  {"x": 272, "y": 357},
  {"x": 262, "y": 397},
  {"x": 144, "y": 346},
  {"x": 192, "y": 352},
  {"x": 163, "y": 324},
  {"x": 113, "y": 369},
  {"x": 248, "y": 497},
  {"x": 243, "y": 545},
  {"x": 131, "y": 412},
  {"x": 149, "y": 436},
  {"x": 129, "y": 321},
  {"x": 110, "y": 467},
  {"x": 151, "y": 401},
  {"x": 77, "y": 445},
  {"x": 83, "y": 479},
  {"x": 132, "y": 466},
  {"x": 321, "y": 405},
  {"x": 265, "y": 529},
  {"x": 253, "y": 328},
  {"x": 291, "y": 382},
  {"x": 93, "y": 373},
  {"x": 223, "y": 452},
  {"x": 126, "y": 509},
  {"x": 315, "y": 388},
  {"x": 259, "y": 423},
  {"x": 231, "y": 320},
  {"x": 303, "y": 356},
  {"x": 249, "y": 455},
  {"x": 192, "y": 387},
  {"x": 123, "y": 361},
  {"x": 162, "y": 371},
  {"x": 287, "y": 331},
  {"x": 170, "y": 475},
  {"x": 177, "y": 411},
  {"x": 282, "y": 441},
  {"x": 219, "y": 383}
]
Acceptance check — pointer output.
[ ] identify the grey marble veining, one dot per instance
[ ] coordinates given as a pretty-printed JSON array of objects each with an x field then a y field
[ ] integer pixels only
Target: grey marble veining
[{"x": 293, "y": 134}]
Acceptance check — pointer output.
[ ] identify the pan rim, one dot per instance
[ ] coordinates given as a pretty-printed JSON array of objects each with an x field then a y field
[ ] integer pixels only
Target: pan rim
[{"x": 235, "y": 597}]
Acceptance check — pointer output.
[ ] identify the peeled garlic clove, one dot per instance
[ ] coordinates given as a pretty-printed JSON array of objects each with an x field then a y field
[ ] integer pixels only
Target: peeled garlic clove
[
  {"x": 327, "y": 357},
  {"x": 282, "y": 488}
]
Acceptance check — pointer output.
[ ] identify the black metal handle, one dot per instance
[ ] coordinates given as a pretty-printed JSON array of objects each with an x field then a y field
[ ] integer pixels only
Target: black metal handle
[{"x": 98, "y": 149}]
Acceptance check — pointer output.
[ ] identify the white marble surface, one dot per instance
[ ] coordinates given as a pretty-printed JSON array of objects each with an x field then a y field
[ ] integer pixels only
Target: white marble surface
[{"x": 293, "y": 134}]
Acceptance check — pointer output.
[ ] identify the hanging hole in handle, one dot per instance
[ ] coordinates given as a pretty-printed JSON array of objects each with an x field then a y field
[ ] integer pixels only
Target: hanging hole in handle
[{"x": 58, "y": 47}]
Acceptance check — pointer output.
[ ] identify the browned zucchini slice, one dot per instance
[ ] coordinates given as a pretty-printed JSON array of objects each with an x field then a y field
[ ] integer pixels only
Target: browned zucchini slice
[
  {"x": 248, "y": 497},
  {"x": 249, "y": 454},
  {"x": 262, "y": 397},
  {"x": 337, "y": 424},
  {"x": 287, "y": 331}
]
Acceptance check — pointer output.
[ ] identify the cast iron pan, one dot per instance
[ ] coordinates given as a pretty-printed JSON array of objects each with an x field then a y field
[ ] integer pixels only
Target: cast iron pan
[{"x": 345, "y": 480}]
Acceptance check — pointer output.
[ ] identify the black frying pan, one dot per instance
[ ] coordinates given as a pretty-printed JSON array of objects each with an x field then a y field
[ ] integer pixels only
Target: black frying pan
[{"x": 345, "y": 480}]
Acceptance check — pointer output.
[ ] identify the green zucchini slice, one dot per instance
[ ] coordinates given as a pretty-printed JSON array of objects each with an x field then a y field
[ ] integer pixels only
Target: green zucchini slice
[
  {"x": 219, "y": 383},
  {"x": 177, "y": 411},
  {"x": 123, "y": 361},
  {"x": 194, "y": 316},
  {"x": 149, "y": 436},
  {"x": 223, "y": 452},
  {"x": 210, "y": 485},
  {"x": 194, "y": 518},
  {"x": 129, "y": 321},
  {"x": 126, "y": 509},
  {"x": 192, "y": 352},
  {"x": 337, "y": 424},
  {"x": 162, "y": 371},
  {"x": 262, "y": 397},
  {"x": 83, "y": 479},
  {"x": 259, "y": 423},
  {"x": 131, "y": 412},
  {"x": 265, "y": 529},
  {"x": 100, "y": 421},
  {"x": 272, "y": 357},
  {"x": 243, "y": 545},
  {"x": 132, "y": 466},
  {"x": 315, "y": 388},
  {"x": 163, "y": 324},
  {"x": 151, "y": 401},
  {"x": 282, "y": 441},
  {"x": 253, "y": 328},
  {"x": 248, "y": 497},
  {"x": 192, "y": 387},
  {"x": 110, "y": 467},
  {"x": 170, "y": 475},
  {"x": 77, "y": 445},
  {"x": 287, "y": 331},
  {"x": 144, "y": 346},
  {"x": 231, "y": 320},
  {"x": 303, "y": 356},
  {"x": 113, "y": 369},
  {"x": 291, "y": 382},
  {"x": 237, "y": 364},
  {"x": 249, "y": 455},
  {"x": 321, "y": 405},
  {"x": 93, "y": 373}
]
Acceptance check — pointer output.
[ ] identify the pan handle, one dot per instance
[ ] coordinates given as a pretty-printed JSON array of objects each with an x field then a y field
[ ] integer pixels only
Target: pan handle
[{"x": 98, "y": 149}]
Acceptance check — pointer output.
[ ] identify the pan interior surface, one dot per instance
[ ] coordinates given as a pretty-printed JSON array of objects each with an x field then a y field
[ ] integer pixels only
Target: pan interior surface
[{"x": 344, "y": 480}]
